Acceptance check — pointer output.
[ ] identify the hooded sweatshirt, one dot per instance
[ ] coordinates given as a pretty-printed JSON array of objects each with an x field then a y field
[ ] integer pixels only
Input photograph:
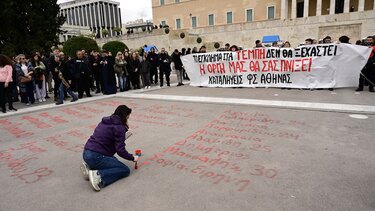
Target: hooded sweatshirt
[{"x": 109, "y": 138}]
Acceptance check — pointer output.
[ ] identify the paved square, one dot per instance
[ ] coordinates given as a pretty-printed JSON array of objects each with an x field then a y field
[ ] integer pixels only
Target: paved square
[{"x": 195, "y": 156}]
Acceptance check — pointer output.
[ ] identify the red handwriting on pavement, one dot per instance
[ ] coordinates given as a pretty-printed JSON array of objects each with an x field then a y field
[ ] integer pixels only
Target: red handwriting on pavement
[
  {"x": 55, "y": 119},
  {"x": 14, "y": 129},
  {"x": 19, "y": 166},
  {"x": 115, "y": 103},
  {"x": 36, "y": 122},
  {"x": 89, "y": 109},
  {"x": 73, "y": 112},
  {"x": 59, "y": 142},
  {"x": 172, "y": 110},
  {"x": 201, "y": 171},
  {"x": 227, "y": 149}
]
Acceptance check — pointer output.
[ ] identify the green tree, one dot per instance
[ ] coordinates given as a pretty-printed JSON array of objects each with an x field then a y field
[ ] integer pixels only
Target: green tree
[
  {"x": 114, "y": 46},
  {"x": 74, "y": 44},
  {"x": 105, "y": 32},
  {"x": 118, "y": 30},
  {"x": 29, "y": 25}
]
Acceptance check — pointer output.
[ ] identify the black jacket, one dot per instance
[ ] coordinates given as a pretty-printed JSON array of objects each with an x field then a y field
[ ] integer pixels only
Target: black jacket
[
  {"x": 176, "y": 58},
  {"x": 79, "y": 68},
  {"x": 164, "y": 62}
]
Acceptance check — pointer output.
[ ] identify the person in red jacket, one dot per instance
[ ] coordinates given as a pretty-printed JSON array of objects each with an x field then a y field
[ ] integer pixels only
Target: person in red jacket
[{"x": 100, "y": 166}]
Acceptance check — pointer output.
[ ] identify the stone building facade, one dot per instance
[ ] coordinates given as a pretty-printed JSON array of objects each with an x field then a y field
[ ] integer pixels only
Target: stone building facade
[
  {"x": 94, "y": 14},
  {"x": 189, "y": 14},
  {"x": 293, "y": 20}
]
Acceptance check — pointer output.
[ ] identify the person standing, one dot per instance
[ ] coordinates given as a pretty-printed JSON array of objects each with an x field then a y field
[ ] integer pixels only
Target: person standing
[
  {"x": 108, "y": 73},
  {"x": 100, "y": 166},
  {"x": 186, "y": 77},
  {"x": 165, "y": 67},
  {"x": 49, "y": 69},
  {"x": 145, "y": 68},
  {"x": 203, "y": 49},
  {"x": 25, "y": 80},
  {"x": 80, "y": 70},
  {"x": 134, "y": 70},
  {"x": 38, "y": 68},
  {"x": 176, "y": 58},
  {"x": 64, "y": 80},
  {"x": 152, "y": 57},
  {"x": 368, "y": 72},
  {"x": 54, "y": 67},
  {"x": 94, "y": 60},
  {"x": 6, "y": 71},
  {"x": 121, "y": 72}
]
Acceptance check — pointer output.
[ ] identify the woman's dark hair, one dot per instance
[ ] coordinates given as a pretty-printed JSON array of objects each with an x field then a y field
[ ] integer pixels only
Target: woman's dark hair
[
  {"x": 33, "y": 62},
  {"x": 123, "y": 111},
  {"x": 4, "y": 60},
  {"x": 235, "y": 47}
]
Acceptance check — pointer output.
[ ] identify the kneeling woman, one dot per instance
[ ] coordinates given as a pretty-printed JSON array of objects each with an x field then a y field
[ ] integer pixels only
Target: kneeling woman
[{"x": 100, "y": 166}]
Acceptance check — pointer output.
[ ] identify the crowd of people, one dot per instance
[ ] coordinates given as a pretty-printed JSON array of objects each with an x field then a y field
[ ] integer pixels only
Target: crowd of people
[
  {"x": 367, "y": 76},
  {"x": 31, "y": 79}
]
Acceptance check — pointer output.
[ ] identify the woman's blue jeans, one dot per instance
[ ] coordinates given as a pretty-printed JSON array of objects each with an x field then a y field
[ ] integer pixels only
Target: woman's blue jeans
[
  {"x": 109, "y": 168},
  {"x": 121, "y": 81}
]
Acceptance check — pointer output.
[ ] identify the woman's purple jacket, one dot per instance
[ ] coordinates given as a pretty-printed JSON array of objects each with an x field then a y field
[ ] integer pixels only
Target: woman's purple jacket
[{"x": 109, "y": 138}]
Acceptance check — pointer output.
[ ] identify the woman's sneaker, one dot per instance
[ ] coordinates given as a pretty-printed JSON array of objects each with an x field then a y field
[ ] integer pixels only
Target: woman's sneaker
[
  {"x": 95, "y": 179},
  {"x": 85, "y": 170}
]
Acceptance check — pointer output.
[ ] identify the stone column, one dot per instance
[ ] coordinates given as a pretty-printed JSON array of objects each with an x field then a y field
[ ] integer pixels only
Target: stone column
[
  {"x": 118, "y": 23},
  {"x": 294, "y": 9},
  {"x": 113, "y": 15},
  {"x": 74, "y": 16},
  {"x": 284, "y": 9},
  {"x": 100, "y": 21},
  {"x": 66, "y": 16},
  {"x": 119, "y": 12},
  {"x": 91, "y": 23},
  {"x": 85, "y": 8},
  {"x": 105, "y": 16},
  {"x": 346, "y": 6},
  {"x": 332, "y": 7},
  {"x": 306, "y": 8},
  {"x": 318, "y": 7},
  {"x": 361, "y": 5},
  {"x": 79, "y": 15}
]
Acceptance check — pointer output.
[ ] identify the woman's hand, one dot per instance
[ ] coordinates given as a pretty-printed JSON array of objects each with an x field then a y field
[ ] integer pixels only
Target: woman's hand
[
  {"x": 6, "y": 84},
  {"x": 136, "y": 158}
]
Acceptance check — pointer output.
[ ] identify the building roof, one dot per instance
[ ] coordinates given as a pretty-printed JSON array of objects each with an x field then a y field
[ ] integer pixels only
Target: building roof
[{"x": 75, "y": 3}]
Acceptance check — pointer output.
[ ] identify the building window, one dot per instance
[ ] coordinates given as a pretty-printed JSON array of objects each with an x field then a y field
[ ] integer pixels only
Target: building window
[
  {"x": 229, "y": 17},
  {"x": 178, "y": 23},
  {"x": 177, "y": 1},
  {"x": 249, "y": 15},
  {"x": 194, "y": 22},
  {"x": 163, "y": 23},
  {"x": 162, "y": 2},
  {"x": 271, "y": 12},
  {"x": 211, "y": 20}
]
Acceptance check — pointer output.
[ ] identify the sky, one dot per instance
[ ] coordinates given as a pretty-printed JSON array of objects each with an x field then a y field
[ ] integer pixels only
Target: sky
[{"x": 132, "y": 10}]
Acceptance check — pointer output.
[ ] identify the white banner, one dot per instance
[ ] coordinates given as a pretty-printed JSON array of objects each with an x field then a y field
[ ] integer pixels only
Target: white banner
[{"x": 312, "y": 66}]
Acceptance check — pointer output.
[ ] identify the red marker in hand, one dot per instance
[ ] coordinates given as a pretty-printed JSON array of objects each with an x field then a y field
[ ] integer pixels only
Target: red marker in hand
[{"x": 138, "y": 153}]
